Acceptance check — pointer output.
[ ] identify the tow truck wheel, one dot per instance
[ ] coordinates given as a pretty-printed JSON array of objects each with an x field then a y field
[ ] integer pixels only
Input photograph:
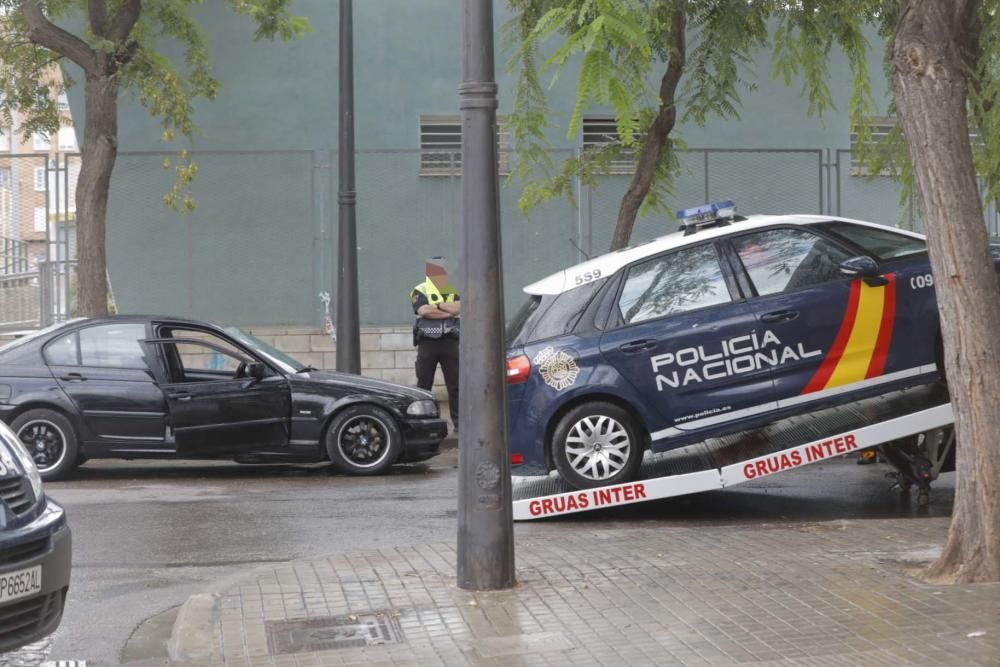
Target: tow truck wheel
[{"x": 597, "y": 444}]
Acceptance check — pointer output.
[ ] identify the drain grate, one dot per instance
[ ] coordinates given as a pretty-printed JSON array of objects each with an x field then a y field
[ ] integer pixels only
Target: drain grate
[{"x": 329, "y": 633}]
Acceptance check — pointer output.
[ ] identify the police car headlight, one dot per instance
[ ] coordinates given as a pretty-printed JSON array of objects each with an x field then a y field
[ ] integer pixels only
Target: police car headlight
[
  {"x": 16, "y": 450},
  {"x": 425, "y": 408}
]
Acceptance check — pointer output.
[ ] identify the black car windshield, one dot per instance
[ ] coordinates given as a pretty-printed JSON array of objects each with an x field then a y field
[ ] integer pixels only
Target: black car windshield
[{"x": 272, "y": 354}]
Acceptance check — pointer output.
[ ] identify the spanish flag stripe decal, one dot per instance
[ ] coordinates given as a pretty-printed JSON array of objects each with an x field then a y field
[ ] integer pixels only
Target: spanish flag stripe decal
[
  {"x": 826, "y": 369},
  {"x": 877, "y": 366},
  {"x": 857, "y": 355}
]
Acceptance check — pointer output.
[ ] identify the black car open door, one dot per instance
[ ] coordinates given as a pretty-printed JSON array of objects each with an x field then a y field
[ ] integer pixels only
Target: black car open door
[{"x": 219, "y": 402}]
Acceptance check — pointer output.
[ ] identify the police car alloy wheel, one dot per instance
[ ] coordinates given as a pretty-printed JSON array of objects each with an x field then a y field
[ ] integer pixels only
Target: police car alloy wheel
[
  {"x": 363, "y": 440},
  {"x": 50, "y": 439},
  {"x": 596, "y": 444}
]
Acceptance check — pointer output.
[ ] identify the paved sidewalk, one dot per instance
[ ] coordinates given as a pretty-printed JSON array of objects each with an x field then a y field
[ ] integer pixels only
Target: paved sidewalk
[{"x": 834, "y": 593}]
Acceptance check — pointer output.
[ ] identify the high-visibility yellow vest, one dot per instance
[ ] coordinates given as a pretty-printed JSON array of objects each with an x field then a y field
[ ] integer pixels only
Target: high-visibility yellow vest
[{"x": 434, "y": 296}]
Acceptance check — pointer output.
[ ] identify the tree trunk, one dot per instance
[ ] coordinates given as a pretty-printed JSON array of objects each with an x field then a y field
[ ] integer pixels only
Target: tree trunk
[
  {"x": 930, "y": 91},
  {"x": 99, "y": 151},
  {"x": 659, "y": 131}
]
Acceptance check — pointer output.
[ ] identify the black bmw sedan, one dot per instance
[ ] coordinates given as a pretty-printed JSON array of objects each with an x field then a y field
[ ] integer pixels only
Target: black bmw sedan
[{"x": 155, "y": 387}]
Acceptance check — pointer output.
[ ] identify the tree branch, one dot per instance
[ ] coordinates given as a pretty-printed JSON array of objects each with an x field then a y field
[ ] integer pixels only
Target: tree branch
[
  {"x": 125, "y": 20},
  {"x": 97, "y": 11},
  {"x": 44, "y": 32}
]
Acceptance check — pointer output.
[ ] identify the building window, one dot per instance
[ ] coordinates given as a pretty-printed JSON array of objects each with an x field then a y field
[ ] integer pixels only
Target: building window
[
  {"x": 441, "y": 145},
  {"x": 39, "y": 219},
  {"x": 6, "y": 139},
  {"x": 602, "y": 131},
  {"x": 40, "y": 141},
  {"x": 40, "y": 179},
  {"x": 62, "y": 102},
  {"x": 67, "y": 139}
]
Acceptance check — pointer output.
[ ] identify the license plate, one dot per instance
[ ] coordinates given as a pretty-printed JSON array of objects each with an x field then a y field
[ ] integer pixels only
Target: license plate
[{"x": 20, "y": 583}]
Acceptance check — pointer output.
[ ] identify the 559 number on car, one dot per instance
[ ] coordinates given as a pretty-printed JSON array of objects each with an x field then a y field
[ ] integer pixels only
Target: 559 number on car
[{"x": 587, "y": 276}]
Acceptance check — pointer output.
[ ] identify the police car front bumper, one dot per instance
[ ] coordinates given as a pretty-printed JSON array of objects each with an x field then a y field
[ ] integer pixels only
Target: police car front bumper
[{"x": 422, "y": 438}]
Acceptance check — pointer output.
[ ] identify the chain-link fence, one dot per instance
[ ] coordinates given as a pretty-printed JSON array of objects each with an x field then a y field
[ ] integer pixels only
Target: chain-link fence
[{"x": 260, "y": 247}]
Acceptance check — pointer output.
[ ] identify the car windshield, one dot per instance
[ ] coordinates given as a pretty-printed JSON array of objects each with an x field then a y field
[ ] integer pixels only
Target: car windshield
[
  {"x": 272, "y": 354},
  {"x": 22, "y": 340}
]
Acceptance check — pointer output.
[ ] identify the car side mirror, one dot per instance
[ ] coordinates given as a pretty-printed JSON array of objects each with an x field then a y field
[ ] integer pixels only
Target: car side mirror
[
  {"x": 863, "y": 267},
  {"x": 256, "y": 371}
]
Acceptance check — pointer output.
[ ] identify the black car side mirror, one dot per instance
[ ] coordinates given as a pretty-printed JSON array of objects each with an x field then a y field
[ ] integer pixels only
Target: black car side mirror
[
  {"x": 256, "y": 371},
  {"x": 863, "y": 267}
]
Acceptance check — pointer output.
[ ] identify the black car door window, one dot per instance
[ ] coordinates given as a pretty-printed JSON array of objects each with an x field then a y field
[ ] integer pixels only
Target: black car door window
[
  {"x": 63, "y": 351},
  {"x": 113, "y": 346},
  {"x": 781, "y": 260},
  {"x": 676, "y": 282},
  {"x": 196, "y": 358}
]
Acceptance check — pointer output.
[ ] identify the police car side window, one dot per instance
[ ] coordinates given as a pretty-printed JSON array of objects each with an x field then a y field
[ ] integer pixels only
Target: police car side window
[
  {"x": 680, "y": 281},
  {"x": 881, "y": 243},
  {"x": 781, "y": 260}
]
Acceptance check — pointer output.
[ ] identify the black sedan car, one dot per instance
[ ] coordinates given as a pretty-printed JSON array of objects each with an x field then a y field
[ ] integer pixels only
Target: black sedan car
[{"x": 155, "y": 387}]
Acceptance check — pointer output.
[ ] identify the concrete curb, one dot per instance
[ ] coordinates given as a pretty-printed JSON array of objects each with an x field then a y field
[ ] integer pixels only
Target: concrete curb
[{"x": 197, "y": 630}]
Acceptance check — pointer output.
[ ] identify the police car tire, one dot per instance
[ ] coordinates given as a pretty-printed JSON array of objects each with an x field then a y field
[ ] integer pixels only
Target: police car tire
[
  {"x": 363, "y": 414},
  {"x": 627, "y": 473},
  {"x": 59, "y": 424}
]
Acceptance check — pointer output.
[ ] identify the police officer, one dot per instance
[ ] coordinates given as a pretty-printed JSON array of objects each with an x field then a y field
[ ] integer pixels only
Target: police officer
[{"x": 435, "y": 333}]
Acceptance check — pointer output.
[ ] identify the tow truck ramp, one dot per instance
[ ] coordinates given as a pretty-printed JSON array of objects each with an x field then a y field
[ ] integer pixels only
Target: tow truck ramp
[{"x": 783, "y": 445}]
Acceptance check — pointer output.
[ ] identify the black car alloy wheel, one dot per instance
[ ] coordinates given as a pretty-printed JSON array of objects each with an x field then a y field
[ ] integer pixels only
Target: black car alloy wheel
[
  {"x": 45, "y": 442},
  {"x": 363, "y": 440},
  {"x": 50, "y": 439}
]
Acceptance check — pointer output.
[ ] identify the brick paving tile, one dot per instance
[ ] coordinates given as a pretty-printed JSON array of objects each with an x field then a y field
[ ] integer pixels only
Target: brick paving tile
[{"x": 827, "y": 594}]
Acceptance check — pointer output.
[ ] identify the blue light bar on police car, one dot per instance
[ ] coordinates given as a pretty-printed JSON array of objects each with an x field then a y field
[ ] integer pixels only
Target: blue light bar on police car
[{"x": 700, "y": 215}]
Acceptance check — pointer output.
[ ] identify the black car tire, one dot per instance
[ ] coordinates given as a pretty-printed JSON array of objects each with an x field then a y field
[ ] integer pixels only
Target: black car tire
[
  {"x": 594, "y": 428},
  {"x": 58, "y": 431},
  {"x": 363, "y": 440}
]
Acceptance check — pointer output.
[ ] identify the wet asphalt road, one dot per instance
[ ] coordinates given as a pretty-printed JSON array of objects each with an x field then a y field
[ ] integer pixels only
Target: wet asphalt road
[{"x": 149, "y": 534}]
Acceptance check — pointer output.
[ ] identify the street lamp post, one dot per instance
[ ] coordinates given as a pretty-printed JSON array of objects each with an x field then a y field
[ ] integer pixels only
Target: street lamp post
[
  {"x": 348, "y": 327},
  {"x": 485, "y": 525}
]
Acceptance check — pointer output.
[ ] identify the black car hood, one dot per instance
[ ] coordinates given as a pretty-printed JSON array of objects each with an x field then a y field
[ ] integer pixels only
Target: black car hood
[{"x": 361, "y": 384}]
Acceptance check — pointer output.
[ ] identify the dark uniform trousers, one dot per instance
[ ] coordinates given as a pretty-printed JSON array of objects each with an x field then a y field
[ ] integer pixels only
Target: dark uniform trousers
[{"x": 444, "y": 351}]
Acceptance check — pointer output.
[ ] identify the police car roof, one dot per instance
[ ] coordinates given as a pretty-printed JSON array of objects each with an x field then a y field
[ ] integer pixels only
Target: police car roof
[{"x": 611, "y": 262}]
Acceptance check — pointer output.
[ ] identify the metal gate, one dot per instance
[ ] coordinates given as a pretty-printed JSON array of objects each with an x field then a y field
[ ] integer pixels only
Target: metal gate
[{"x": 37, "y": 238}]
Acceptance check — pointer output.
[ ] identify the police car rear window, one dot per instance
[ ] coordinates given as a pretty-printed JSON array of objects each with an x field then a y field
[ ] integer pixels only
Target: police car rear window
[
  {"x": 565, "y": 312},
  {"x": 524, "y": 314},
  {"x": 881, "y": 243}
]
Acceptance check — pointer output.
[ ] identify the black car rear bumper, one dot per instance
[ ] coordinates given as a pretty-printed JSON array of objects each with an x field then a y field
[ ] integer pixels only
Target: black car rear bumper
[
  {"x": 47, "y": 542},
  {"x": 422, "y": 438}
]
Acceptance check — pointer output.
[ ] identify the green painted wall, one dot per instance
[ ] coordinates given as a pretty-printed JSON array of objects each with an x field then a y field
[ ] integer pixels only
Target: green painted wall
[{"x": 260, "y": 246}]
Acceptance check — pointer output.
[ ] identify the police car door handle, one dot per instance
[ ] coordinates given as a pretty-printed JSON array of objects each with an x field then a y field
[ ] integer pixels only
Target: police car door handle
[
  {"x": 639, "y": 346},
  {"x": 780, "y": 316}
]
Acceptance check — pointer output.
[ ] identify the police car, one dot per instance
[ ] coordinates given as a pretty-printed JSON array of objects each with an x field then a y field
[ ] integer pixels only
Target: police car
[{"x": 726, "y": 325}]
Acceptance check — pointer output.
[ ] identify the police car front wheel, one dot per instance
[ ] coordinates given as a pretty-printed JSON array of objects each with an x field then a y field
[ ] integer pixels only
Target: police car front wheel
[{"x": 597, "y": 444}]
